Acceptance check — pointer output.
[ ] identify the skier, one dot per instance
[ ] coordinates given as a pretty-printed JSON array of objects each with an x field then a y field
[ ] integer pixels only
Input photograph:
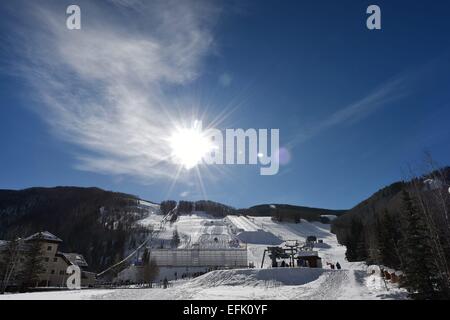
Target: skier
[
  {"x": 332, "y": 266},
  {"x": 338, "y": 266}
]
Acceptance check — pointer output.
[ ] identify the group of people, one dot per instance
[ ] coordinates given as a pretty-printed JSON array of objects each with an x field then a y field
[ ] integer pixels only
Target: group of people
[{"x": 334, "y": 266}]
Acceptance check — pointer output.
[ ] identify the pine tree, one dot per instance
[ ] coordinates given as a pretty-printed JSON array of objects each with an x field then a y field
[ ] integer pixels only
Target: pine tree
[
  {"x": 356, "y": 242},
  {"x": 32, "y": 266},
  {"x": 9, "y": 264},
  {"x": 388, "y": 240},
  {"x": 420, "y": 269},
  {"x": 167, "y": 206},
  {"x": 145, "y": 256},
  {"x": 175, "y": 239},
  {"x": 150, "y": 271},
  {"x": 149, "y": 267}
]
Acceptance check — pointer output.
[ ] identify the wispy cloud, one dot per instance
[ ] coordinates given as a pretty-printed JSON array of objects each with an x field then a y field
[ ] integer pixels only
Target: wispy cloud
[
  {"x": 184, "y": 194},
  {"x": 103, "y": 87},
  {"x": 391, "y": 91}
]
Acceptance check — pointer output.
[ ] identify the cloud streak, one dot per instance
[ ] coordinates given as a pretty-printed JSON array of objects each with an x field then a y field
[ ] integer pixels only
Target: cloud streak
[
  {"x": 104, "y": 87},
  {"x": 391, "y": 91}
]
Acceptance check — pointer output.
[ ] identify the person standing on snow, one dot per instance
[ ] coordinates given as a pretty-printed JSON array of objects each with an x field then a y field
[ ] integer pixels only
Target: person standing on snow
[{"x": 338, "y": 266}]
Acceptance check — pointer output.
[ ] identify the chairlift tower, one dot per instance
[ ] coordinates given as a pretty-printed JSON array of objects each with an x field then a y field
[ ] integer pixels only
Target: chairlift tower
[{"x": 291, "y": 248}]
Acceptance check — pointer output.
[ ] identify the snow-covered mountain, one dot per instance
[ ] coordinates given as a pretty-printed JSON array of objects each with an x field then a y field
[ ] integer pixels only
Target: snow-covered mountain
[
  {"x": 351, "y": 282},
  {"x": 140, "y": 224}
]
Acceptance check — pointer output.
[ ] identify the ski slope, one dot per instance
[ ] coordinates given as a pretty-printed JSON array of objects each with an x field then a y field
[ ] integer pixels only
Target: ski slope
[
  {"x": 352, "y": 282},
  {"x": 242, "y": 223}
]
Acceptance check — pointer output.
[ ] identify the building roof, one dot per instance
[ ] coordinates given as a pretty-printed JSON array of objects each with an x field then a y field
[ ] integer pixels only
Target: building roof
[
  {"x": 45, "y": 235},
  {"x": 21, "y": 245},
  {"x": 307, "y": 253},
  {"x": 74, "y": 258}
]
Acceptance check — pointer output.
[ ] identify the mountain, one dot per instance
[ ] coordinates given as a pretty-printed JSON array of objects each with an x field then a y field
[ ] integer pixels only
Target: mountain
[
  {"x": 359, "y": 228},
  {"x": 96, "y": 223},
  {"x": 101, "y": 224},
  {"x": 388, "y": 198},
  {"x": 286, "y": 212}
]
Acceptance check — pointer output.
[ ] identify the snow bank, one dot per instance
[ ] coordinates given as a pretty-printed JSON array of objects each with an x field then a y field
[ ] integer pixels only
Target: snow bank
[
  {"x": 259, "y": 237},
  {"x": 258, "y": 277}
]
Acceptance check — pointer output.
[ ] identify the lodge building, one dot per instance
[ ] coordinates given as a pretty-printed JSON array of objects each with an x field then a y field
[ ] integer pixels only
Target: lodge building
[{"x": 54, "y": 262}]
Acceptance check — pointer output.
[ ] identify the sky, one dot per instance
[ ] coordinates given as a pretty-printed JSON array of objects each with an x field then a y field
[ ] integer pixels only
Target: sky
[{"x": 355, "y": 108}]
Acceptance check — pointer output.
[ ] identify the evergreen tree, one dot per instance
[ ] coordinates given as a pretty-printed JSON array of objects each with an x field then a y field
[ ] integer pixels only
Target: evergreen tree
[
  {"x": 9, "y": 263},
  {"x": 32, "y": 266},
  {"x": 167, "y": 206},
  {"x": 149, "y": 267},
  {"x": 145, "y": 256},
  {"x": 388, "y": 240},
  {"x": 185, "y": 207},
  {"x": 175, "y": 239},
  {"x": 356, "y": 242},
  {"x": 150, "y": 271},
  {"x": 277, "y": 216},
  {"x": 420, "y": 269}
]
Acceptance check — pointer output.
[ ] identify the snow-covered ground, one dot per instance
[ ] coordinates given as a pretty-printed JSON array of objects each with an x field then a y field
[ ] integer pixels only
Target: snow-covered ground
[
  {"x": 260, "y": 284},
  {"x": 352, "y": 282}
]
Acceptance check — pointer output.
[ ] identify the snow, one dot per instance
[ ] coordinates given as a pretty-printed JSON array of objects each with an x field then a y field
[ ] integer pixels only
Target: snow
[
  {"x": 248, "y": 232},
  {"x": 44, "y": 235},
  {"x": 243, "y": 223},
  {"x": 258, "y": 277},
  {"x": 152, "y": 220},
  {"x": 57, "y": 295},
  {"x": 149, "y": 205},
  {"x": 197, "y": 228},
  {"x": 329, "y": 216},
  {"x": 354, "y": 281},
  {"x": 261, "y": 284},
  {"x": 259, "y": 237}
]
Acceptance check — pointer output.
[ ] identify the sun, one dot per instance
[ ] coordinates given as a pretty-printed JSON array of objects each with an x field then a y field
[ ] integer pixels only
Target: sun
[{"x": 189, "y": 146}]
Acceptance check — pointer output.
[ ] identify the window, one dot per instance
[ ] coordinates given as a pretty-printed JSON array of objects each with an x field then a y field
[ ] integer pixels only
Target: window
[
  {"x": 55, "y": 259},
  {"x": 52, "y": 272},
  {"x": 46, "y": 259},
  {"x": 49, "y": 248},
  {"x": 61, "y": 272}
]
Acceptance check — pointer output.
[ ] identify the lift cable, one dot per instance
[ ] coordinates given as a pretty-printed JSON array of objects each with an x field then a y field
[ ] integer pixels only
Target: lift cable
[{"x": 149, "y": 239}]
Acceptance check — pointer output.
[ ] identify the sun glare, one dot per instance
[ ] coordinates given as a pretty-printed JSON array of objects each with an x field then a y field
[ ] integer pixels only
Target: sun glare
[{"x": 189, "y": 146}]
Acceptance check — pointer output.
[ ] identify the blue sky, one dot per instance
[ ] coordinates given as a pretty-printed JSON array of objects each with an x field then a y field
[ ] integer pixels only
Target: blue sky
[{"x": 354, "y": 107}]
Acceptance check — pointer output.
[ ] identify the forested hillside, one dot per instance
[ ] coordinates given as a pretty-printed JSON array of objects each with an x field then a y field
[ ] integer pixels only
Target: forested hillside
[
  {"x": 96, "y": 223},
  {"x": 405, "y": 226}
]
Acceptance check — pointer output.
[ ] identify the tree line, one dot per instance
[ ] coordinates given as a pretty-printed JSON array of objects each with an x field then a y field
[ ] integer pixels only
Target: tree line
[
  {"x": 20, "y": 265},
  {"x": 188, "y": 207},
  {"x": 413, "y": 237}
]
